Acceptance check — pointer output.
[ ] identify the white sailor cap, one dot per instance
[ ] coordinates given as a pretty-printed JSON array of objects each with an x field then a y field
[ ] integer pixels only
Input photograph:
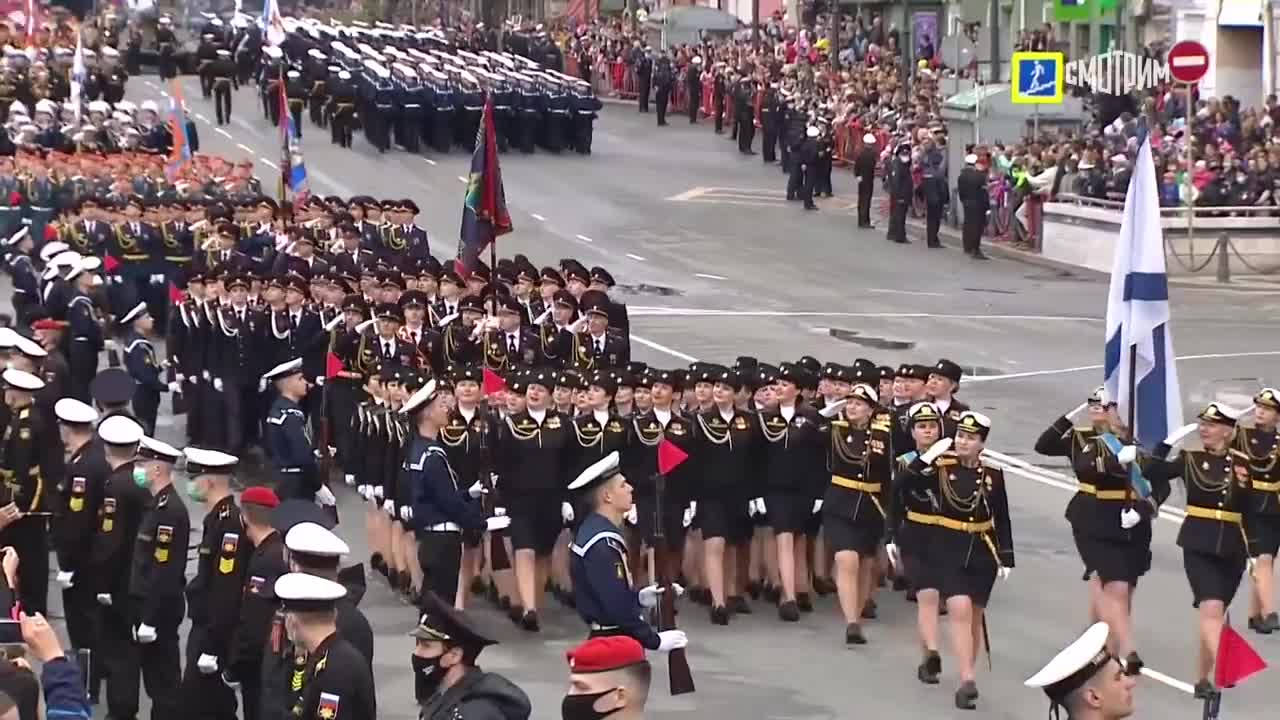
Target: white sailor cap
[
  {"x": 811, "y": 131},
  {"x": 314, "y": 539},
  {"x": 216, "y": 22},
  {"x": 52, "y": 249},
  {"x": 74, "y": 412},
  {"x": 421, "y": 398},
  {"x": 19, "y": 236},
  {"x": 150, "y": 106},
  {"x": 224, "y": 53},
  {"x": 273, "y": 52},
  {"x": 84, "y": 263},
  {"x": 1221, "y": 413},
  {"x": 284, "y": 370},
  {"x": 100, "y": 106},
  {"x": 1268, "y": 397},
  {"x": 1070, "y": 669},
  {"x": 315, "y": 53},
  {"x": 47, "y": 106},
  {"x": 334, "y": 69},
  {"x": 304, "y": 592},
  {"x": 166, "y": 20},
  {"x": 865, "y": 393},
  {"x": 153, "y": 449},
  {"x": 202, "y": 461},
  {"x": 22, "y": 380},
  {"x": 126, "y": 106},
  {"x": 869, "y": 139},
  {"x": 404, "y": 70},
  {"x": 597, "y": 472},
  {"x": 974, "y": 422},
  {"x": 120, "y": 430},
  {"x": 8, "y": 338},
  {"x": 344, "y": 75},
  {"x": 970, "y": 159},
  {"x": 30, "y": 348},
  {"x": 293, "y": 74},
  {"x": 110, "y": 51},
  {"x": 1100, "y": 396},
  {"x": 138, "y": 311}
]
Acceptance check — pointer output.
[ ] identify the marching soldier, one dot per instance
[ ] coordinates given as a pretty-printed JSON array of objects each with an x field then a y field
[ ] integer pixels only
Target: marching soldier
[
  {"x": 1260, "y": 447},
  {"x": 157, "y": 578},
  {"x": 140, "y": 360},
  {"x": 1087, "y": 680},
  {"x": 214, "y": 594},
  {"x": 86, "y": 336},
  {"x": 242, "y": 666},
  {"x": 941, "y": 384},
  {"x": 286, "y": 439},
  {"x": 974, "y": 544},
  {"x": 223, "y": 73},
  {"x": 31, "y": 465}
]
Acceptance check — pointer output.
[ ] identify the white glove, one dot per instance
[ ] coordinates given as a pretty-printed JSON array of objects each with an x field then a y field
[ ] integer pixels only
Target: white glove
[
  {"x": 104, "y": 599},
  {"x": 193, "y": 380},
  {"x": 650, "y": 594},
  {"x": 1129, "y": 518},
  {"x": 217, "y": 384},
  {"x": 324, "y": 497},
  {"x": 378, "y": 491},
  {"x": 760, "y": 506},
  {"x": 144, "y": 634},
  {"x": 180, "y": 377},
  {"x": 672, "y": 640},
  {"x": 204, "y": 374},
  {"x": 1004, "y": 572},
  {"x": 935, "y": 450},
  {"x": 262, "y": 385},
  {"x": 566, "y": 512},
  {"x": 817, "y": 506},
  {"x": 752, "y": 510},
  {"x": 1077, "y": 410},
  {"x": 1127, "y": 454},
  {"x": 175, "y": 387},
  {"x": 65, "y": 579},
  {"x": 319, "y": 380},
  {"x": 578, "y": 325},
  {"x": 349, "y": 479},
  {"x": 477, "y": 489},
  {"x": 830, "y": 411},
  {"x": 406, "y": 513},
  {"x": 497, "y": 522},
  {"x": 389, "y": 507},
  {"x": 632, "y": 515},
  {"x": 363, "y": 491},
  {"x": 499, "y": 512},
  {"x": 207, "y": 663},
  {"x": 895, "y": 555},
  {"x": 692, "y": 510}
]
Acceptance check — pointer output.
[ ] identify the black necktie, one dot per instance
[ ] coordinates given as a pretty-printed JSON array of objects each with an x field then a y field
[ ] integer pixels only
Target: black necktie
[
  {"x": 599, "y": 346},
  {"x": 414, "y": 334},
  {"x": 511, "y": 344},
  {"x": 293, "y": 322},
  {"x": 386, "y": 349}
]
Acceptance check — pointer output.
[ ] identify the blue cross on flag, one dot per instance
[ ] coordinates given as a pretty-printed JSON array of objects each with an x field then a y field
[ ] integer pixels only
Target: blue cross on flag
[{"x": 1038, "y": 77}]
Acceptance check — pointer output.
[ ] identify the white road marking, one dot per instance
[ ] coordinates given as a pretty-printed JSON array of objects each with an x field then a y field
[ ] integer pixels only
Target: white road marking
[
  {"x": 889, "y": 291},
  {"x": 269, "y": 164},
  {"x": 245, "y": 148},
  {"x": 223, "y": 133},
  {"x": 430, "y": 161},
  {"x": 202, "y": 118},
  {"x": 149, "y": 83},
  {"x": 633, "y": 256},
  {"x": 461, "y": 179},
  {"x": 663, "y": 348},
  {"x": 538, "y": 217},
  {"x": 691, "y": 194},
  {"x": 709, "y": 276},
  {"x": 584, "y": 238},
  {"x": 706, "y": 312},
  {"x": 1083, "y": 368}
]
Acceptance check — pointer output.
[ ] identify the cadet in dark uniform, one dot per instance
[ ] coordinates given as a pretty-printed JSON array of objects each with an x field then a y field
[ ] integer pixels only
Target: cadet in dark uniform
[
  {"x": 223, "y": 72},
  {"x": 86, "y": 338},
  {"x": 337, "y": 683},
  {"x": 1114, "y": 545},
  {"x": 1259, "y": 445},
  {"x": 974, "y": 544},
  {"x": 80, "y": 498},
  {"x": 1214, "y": 539},
  {"x": 447, "y": 683},
  {"x": 602, "y": 590},
  {"x": 214, "y": 594},
  {"x": 439, "y": 509},
  {"x": 32, "y": 465},
  {"x": 157, "y": 577},
  {"x": 316, "y": 550},
  {"x": 900, "y": 191},
  {"x": 242, "y": 665},
  {"x": 971, "y": 186},
  {"x": 124, "y": 503},
  {"x": 864, "y": 168},
  {"x": 140, "y": 359},
  {"x": 286, "y": 439}
]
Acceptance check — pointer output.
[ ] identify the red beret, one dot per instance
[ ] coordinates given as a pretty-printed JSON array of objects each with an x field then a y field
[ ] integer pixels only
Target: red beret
[
  {"x": 259, "y": 495},
  {"x": 49, "y": 324},
  {"x": 603, "y": 654}
]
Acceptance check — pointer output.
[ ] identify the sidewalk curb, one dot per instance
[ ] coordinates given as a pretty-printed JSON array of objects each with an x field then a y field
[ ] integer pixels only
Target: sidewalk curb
[{"x": 951, "y": 238}]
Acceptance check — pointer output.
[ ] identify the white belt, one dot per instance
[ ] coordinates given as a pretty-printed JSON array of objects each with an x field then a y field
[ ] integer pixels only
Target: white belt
[{"x": 444, "y": 527}]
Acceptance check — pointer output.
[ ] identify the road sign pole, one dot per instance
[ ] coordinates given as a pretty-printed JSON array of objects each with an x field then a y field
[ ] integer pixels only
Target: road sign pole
[
  {"x": 1035, "y": 125},
  {"x": 1191, "y": 206}
]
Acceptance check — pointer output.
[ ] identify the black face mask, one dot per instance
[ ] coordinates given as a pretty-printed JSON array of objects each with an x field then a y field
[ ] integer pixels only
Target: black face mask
[
  {"x": 427, "y": 676},
  {"x": 581, "y": 707}
]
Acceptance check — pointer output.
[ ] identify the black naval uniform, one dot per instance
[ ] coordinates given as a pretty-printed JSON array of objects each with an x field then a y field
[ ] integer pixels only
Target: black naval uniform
[
  {"x": 86, "y": 343},
  {"x": 338, "y": 683},
  {"x": 243, "y": 663},
  {"x": 290, "y": 451},
  {"x": 442, "y": 511},
  {"x": 32, "y": 466},
  {"x": 156, "y": 580},
  {"x": 602, "y": 586},
  {"x": 853, "y": 509},
  {"x": 111, "y": 563},
  {"x": 140, "y": 361},
  {"x": 864, "y": 167},
  {"x": 531, "y": 458},
  {"x": 80, "y": 498},
  {"x": 900, "y": 191},
  {"x": 640, "y": 464},
  {"x": 971, "y": 186},
  {"x": 214, "y": 597}
]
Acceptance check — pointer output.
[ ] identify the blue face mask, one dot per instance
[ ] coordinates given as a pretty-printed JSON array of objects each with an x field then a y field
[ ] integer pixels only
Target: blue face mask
[{"x": 140, "y": 476}]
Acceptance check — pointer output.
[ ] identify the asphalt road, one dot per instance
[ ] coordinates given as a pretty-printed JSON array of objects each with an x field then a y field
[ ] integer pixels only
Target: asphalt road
[{"x": 715, "y": 265}]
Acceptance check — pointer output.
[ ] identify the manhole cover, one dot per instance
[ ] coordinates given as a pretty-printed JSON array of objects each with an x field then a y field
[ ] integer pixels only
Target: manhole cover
[
  {"x": 647, "y": 289},
  {"x": 870, "y": 341}
]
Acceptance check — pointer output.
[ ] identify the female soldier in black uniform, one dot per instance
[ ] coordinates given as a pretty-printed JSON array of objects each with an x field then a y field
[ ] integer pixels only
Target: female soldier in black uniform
[{"x": 1259, "y": 445}]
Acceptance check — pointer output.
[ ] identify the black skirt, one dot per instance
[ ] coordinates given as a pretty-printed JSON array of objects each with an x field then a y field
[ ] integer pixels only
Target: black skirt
[
  {"x": 843, "y": 535},
  {"x": 1212, "y": 577},
  {"x": 535, "y": 520},
  {"x": 725, "y": 517},
  {"x": 1264, "y": 533},
  {"x": 789, "y": 513},
  {"x": 1114, "y": 560}
]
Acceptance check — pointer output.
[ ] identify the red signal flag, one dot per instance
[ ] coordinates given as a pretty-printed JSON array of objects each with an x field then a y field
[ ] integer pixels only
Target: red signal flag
[
  {"x": 670, "y": 456},
  {"x": 1236, "y": 659},
  {"x": 110, "y": 264},
  {"x": 332, "y": 365},
  {"x": 175, "y": 295},
  {"x": 493, "y": 382}
]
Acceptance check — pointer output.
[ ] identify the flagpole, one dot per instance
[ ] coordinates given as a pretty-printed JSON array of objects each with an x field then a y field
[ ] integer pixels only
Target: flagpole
[
  {"x": 1212, "y": 705},
  {"x": 487, "y": 119}
]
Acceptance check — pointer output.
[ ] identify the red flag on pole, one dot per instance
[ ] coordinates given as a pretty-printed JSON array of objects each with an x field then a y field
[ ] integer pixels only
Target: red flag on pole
[
  {"x": 332, "y": 365},
  {"x": 109, "y": 263},
  {"x": 175, "y": 295},
  {"x": 493, "y": 382},
  {"x": 670, "y": 456},
  {"x": 1236, "y": 659}
]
